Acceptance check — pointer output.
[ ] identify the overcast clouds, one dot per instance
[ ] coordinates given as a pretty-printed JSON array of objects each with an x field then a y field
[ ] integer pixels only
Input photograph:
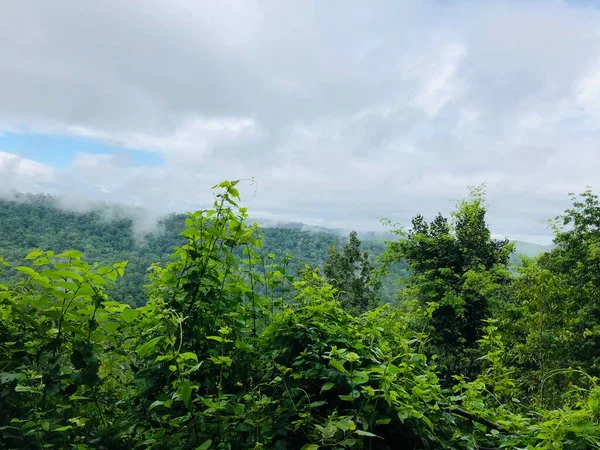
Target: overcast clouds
[{"x": 343, "y": 111}]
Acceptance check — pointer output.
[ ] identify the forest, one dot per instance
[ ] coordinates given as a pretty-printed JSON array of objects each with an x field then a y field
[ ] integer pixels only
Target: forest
[
  {"x": 108, "y": 233},
  {"x": 217, "y": 334}
]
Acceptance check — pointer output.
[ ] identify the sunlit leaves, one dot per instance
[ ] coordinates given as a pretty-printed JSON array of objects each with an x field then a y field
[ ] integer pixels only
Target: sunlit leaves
[
  {"x": 147, "y": 347},
  {"x": 217, "y": 358},
  {"x": 129, "y": 315}
]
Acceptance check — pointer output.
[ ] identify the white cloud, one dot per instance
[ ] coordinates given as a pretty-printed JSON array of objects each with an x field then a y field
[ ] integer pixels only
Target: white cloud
[
  {"x": 442, "y": 85},
  {"x": 23, "y": 174},
  {"x": 344, "y": 112}
]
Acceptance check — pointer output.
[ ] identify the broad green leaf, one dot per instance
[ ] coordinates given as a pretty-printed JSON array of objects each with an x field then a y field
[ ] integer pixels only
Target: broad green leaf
[
  {"x": 26, "y": 270},
  {"x": 364, "y": 433},
  {"x": 427, "y": 422},
  {"x": 353, "y": 395},
  {"x": 205, "y": 445},
  {"x": 62, "y": 274},
  {"x": 189, "y": 355},
  {"x": 219, "y": 360},
  {"x": 338, "y": 365},
  {"x": 34, "y": 254},
  {"x": 73, "y": 254},
  {"x": 317, "y": 404},
  {"x": 111, "y": 327},
  {"x": 78, "y": 397},
  {"x": 185, "y": 393},
  {"x": 327, "y": 386},
  {"x": 359, "y": 378},
  {"x": 86, "y": 290},
  {"x": 383, "y": 421},
  {"x": 149, "y": 346},
  {"x": 129, "y": 315},
  {"x": 42, "y": 262},
  {"x": 155, "y": 404},
  {"x": 67, "y": 285}
]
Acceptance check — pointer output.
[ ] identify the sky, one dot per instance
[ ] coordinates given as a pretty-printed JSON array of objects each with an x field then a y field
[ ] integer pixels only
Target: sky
[{"x": 343, "y": 112}]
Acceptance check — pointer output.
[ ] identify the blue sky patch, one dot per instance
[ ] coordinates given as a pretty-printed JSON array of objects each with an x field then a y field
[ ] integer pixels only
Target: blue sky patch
[{"x": 60, "y": 151}]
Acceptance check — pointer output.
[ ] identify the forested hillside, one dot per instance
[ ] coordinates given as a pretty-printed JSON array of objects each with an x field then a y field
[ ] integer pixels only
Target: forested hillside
[
  {"x": 235, "y": 351},
  {"x": 107, "y": 234}
]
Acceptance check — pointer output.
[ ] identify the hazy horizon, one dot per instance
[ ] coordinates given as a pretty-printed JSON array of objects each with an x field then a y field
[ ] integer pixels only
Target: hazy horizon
[
  {"x": 344, "y": 112},
  {"x": 148, "y": 221}
]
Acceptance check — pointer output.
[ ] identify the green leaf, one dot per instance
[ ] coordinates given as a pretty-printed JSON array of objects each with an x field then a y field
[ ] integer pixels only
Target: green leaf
[
  {"x": 86, "y": 290},
  {"x": 78, "y": 397},
  {"x": 26, "y": 270},
  {"x": 73, "y": 254},
  {"x": 338, "y": 365},
  {"x": 129, "y": 315},
  {"x": 310, "y": 447},
  {"x": 359, "y": 378},
  {"x": 364, "y": 433},
  {"x": 189, "y": 355},
  {"x": 427, "y": 422},
  {"x": 34, "y": 254},
  {"x": 155, "y": 404},
  {"x": 383, "y": 421},
  {"x": 146, "y": 348},
  {"x": 403, "y": 414},
  {"x": 219, "y": 360},
  {"x": 65, "y": 428},
  {"x": 327, "y": 386},
  {"x": 354, "y": 394},
  {"x": 66, "y": 285},
  {"x": 62, "y": 274},
  {"x": 185, "y": 393},
  {"x": 42, "y": 262},
  {"x": 317, "y": 404},
  {"x": 111, "y": 327},
  {"x": 205, "y": 445}
]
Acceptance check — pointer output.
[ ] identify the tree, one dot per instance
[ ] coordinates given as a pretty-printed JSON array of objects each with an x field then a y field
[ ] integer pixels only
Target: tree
[
  {"x": 458, "y": 268},
  {"x": 350, "y": 272},
  {"x": 208, "y": 363},
  {"x": 572, "y": 321}
]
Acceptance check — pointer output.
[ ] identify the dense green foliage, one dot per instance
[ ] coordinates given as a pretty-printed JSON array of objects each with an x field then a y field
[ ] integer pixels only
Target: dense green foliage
[
  {"x": 458, "y": 269},
  {"x": 107, "y": 235},
  {"x": 352, "y": 274},
  {"x": 233, "y": 350}
]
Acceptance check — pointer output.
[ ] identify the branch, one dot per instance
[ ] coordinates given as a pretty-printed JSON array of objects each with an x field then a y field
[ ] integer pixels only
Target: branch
[{"x": 461, "y": 412}]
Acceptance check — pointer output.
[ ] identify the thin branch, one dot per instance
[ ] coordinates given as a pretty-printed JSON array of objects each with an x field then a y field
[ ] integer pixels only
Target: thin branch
[{"x": 488, "y": 423}]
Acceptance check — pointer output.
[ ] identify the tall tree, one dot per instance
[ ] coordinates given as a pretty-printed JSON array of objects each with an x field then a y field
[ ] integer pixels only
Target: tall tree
[
  {"x": 575, "y": 264},
  {"x": 551, "y": 320},
  {"x": 458, "y": 267},
  {"x": 350, "y": 272}
]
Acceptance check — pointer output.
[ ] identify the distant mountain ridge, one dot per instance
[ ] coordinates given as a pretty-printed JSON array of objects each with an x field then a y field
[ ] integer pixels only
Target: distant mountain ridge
[
  {"x": 146, "y": 222},
  {"x": 522, "y": 248}
]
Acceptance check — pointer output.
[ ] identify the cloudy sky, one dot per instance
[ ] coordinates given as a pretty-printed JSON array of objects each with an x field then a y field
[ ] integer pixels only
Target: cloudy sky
[{"x": 343, "y": 111}]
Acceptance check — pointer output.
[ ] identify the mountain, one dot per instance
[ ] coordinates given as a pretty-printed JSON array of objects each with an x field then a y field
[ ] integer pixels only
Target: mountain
[
  {"x": 529, "y": 249},
  {"x": 111, "y": 233}
]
